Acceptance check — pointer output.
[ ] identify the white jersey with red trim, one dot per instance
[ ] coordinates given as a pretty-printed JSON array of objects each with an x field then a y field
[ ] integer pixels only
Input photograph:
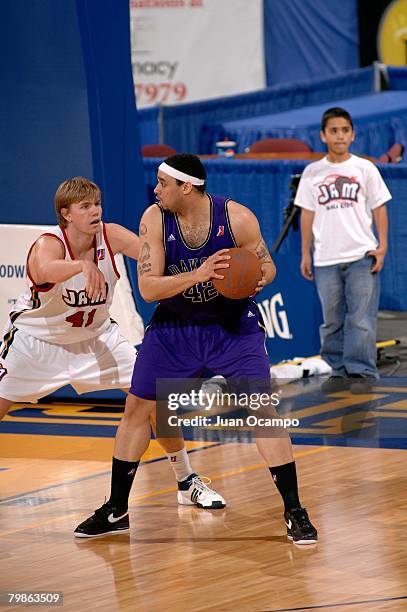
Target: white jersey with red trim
[{"x": 62, "y": 313}]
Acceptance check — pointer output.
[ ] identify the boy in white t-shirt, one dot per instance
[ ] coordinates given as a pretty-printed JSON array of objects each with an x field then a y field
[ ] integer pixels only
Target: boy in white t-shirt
[{"x": 340, "y": 196}]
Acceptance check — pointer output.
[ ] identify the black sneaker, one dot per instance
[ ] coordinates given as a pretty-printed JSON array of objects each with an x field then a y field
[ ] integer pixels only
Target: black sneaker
[
  {"x": 299, "y": 528},
  {"x": 106, "y": 520},
  {"x": 335, "y": 383},
  {"x": 361, "y": 384}
]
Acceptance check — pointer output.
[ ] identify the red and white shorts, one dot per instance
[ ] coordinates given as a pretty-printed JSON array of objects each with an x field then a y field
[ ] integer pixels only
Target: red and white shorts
[{"x": 33, "y": 368}]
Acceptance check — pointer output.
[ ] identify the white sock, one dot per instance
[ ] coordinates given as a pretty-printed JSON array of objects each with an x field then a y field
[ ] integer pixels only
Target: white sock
[{"x": 179, "y": 462}]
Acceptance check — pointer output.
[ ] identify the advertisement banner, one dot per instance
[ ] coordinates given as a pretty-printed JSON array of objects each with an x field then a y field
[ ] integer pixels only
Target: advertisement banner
[
  {"x": 291, "y": 312},
  {"x": 15, "y": 240},
  {"x": 188, "y": 50}
]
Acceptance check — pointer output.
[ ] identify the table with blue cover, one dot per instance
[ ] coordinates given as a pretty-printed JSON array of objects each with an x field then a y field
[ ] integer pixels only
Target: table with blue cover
[{"x": 380, "y": 120}]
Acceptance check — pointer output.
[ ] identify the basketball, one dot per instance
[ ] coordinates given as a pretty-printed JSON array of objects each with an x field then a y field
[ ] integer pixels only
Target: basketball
[{"x": 241, "y": 278}]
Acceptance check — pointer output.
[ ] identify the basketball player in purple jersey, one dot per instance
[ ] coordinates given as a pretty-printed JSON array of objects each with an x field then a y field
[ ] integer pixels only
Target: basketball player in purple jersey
[{"x": 184, "y": 243}]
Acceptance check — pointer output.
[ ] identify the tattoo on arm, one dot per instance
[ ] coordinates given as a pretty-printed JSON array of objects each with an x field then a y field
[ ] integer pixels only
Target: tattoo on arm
[
  {"x": 144, "y": 265},
  {"x": 145, "y": 253},
  {"x": 143, "y": 229},
  {"x": 262, "y": 251},
  {"x": 143, "y": 268}
]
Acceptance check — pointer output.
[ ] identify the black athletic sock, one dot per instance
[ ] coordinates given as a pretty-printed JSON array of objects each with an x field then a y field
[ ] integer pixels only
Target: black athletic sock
[
  {"x": 123, "y": 473},
  {"x": 285, "y": 477}
]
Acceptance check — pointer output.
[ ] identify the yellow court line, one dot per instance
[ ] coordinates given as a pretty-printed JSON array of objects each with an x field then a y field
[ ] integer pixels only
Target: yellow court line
[
  {"x": 56, "y": 405},
  {"x": 390, "y": 389},
  {"x": 340, "y": 400},
  {"x": 236, "y": 472},
  {"x": 12, "y": 419}
]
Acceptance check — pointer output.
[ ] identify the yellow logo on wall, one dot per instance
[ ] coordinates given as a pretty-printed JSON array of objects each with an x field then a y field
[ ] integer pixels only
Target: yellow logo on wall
[{"x": 392, "y": 36}]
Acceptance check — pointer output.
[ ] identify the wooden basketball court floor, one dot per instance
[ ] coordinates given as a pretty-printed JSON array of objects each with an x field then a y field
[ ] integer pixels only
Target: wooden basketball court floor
[{"x": 350, "y": 453}]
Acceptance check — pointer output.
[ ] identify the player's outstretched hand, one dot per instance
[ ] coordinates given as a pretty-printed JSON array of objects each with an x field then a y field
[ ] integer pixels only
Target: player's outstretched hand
[
  {"x": 209, "y": 269},
  {"x": 95, "y": 281},
  {"x": 306, "y": 267}
]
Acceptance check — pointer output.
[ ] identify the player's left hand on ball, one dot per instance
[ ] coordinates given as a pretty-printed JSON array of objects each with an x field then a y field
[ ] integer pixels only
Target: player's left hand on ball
[
  {"x": 212, "y": 266},
  {"x": 262, "y": 282}
]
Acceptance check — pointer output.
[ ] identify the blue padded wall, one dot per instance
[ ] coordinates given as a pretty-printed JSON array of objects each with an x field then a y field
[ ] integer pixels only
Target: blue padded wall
[
  {"x": 44, "y": 121},
  {"x": 67, "y": 107},
  {"x": 308, "y": 39}
]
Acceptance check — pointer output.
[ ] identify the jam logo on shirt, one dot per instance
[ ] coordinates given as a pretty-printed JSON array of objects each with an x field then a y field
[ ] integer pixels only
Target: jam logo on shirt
[
  {"x": 79, "y": 298},
  {"x": 341, "y": 190}
]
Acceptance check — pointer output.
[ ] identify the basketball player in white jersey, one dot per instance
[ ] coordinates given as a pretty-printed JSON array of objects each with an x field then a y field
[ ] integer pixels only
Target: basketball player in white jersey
[{"x": 60, "y": 331}]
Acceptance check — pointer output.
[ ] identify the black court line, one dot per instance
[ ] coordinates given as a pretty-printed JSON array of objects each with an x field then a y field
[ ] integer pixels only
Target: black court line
[
  {"x": 69, "y": 482},
  {"x": 335, "y": 605}
]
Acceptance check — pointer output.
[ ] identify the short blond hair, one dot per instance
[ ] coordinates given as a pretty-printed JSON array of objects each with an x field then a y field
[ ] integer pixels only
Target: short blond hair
[{"x": 71, "y": 191}]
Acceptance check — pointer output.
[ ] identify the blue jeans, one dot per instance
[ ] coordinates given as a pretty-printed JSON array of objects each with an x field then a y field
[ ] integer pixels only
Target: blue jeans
[{"x": 349, "y": 295}]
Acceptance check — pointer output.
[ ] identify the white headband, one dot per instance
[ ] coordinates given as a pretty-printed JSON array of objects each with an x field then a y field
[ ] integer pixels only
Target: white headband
[{"x": 181, "y": 176}]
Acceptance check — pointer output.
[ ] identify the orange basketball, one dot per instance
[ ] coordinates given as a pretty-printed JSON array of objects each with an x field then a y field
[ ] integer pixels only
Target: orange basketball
[{"x": 241, "y": 278}]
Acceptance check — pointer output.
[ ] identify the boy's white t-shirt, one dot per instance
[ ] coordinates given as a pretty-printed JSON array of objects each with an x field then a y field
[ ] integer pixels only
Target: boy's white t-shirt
[{"x": 343, "y": 196}]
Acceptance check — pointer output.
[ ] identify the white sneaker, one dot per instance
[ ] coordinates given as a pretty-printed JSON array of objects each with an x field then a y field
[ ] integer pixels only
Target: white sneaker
[{"x": 194, "y": 492}]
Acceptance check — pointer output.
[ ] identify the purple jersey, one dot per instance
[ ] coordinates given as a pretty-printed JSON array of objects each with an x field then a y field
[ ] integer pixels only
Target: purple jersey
[{"x": 201, "y": 304}]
